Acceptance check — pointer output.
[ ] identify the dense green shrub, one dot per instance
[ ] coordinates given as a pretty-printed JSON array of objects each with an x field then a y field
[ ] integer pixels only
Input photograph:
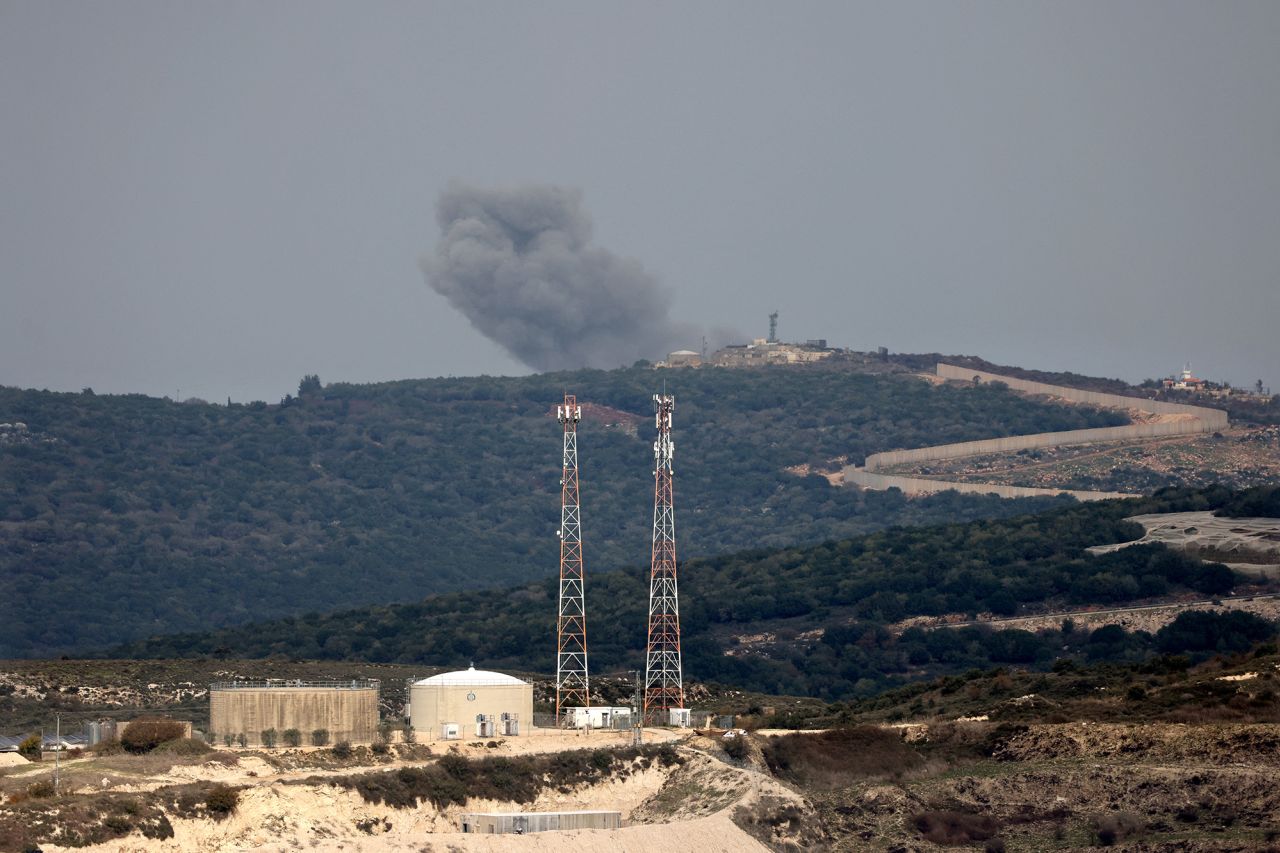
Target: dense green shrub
[
  {"x": 735, "y": 747},
  {"x": 1207, "y": 631},
  {"x": 291, "y": 737},
  {"x": 320, "y": 737},
  {"x": 221, "y": 800},
  {"x": 31, "y": 748},
  {"x": 184, "y": 746},
  {"x": 146, "y": 734}
]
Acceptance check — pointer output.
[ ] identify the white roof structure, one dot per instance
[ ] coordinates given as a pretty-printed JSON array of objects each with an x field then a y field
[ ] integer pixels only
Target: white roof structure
[{"x": 471, "y": 677}]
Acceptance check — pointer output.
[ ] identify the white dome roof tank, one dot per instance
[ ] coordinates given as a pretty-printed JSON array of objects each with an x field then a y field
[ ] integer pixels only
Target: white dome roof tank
[{"x": 471, "y": 677}]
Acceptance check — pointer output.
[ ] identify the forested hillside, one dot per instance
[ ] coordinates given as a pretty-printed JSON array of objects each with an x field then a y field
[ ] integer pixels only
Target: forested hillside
[
  {"x": 834, "y": 600},
  {"x": 125, "y": 516}
]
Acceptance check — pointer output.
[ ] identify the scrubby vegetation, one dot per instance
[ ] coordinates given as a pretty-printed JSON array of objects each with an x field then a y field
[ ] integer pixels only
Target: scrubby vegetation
[
  {"x": 848, "y": 592},
  {"x": 840, "y": 757},
  {"x": 1263, "y": 502},
  {"x": 30, "y": 748},
  {"x": 184, "y": 747},
  {"x": 225, "y": 514},
  {"x": 85, "y": 819},
  {"x": 221, "y": 800},
  {"x": 1182, "y": 688},
  {"x": 453, "y": 779},
  {"x": 144, "y": 735},
  {"x": 954, "y": 827}
]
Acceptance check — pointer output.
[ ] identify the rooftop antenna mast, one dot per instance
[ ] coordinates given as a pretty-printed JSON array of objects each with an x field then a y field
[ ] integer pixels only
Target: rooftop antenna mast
[
  {"x": 663, "y": 676},
  {"x": 773, "y": 327},
  {"x": 572, "y": 687}
]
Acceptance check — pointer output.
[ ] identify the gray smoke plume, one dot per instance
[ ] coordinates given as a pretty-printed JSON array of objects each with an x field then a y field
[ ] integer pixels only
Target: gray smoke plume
[{"x": 519, "y": 264}]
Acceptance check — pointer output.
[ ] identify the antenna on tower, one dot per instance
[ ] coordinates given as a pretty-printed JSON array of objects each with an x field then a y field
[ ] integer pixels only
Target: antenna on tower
[
  {"x": 572, "y": 687},
  {"x": 663, "y": 675},
  {"x": 773, "y": 327}
]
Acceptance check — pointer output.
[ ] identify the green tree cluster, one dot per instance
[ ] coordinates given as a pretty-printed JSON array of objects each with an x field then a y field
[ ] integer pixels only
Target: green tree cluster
[
  {"x": 125, "y": 514},
  {"x": 831, "y": 604}
]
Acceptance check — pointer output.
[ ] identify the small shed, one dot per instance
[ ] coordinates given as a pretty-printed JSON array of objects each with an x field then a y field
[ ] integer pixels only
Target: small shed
[
  {"x": 599, "y": 717},
  {"x": 519, "y": 823}
]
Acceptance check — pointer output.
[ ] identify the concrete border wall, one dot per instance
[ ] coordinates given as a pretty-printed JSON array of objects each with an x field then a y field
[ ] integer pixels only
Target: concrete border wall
[
  {"x": 1216, "y": 417},
  {"x": 922, "y": 486},
  {"x": 1195, "y": 420},
  {"x": 1189, "y": 426},
  {"x": 1192, "y": 420}
]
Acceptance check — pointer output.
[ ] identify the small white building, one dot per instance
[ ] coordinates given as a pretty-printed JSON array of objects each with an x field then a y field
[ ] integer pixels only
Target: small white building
[{"x": 599, "y": 717}]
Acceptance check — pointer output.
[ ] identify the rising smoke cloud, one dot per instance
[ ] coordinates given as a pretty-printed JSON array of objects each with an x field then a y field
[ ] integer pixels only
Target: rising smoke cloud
[{"x": 520, "y": 266}]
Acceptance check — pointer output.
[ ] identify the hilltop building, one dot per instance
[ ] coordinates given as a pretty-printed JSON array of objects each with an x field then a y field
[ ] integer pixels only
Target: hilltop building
[
  {"x": 762, "y": 351},
  {"x": 1185, "y": 381},
  {"x": 1188, "y": 382},
  {"x": 684, "y": 358}
]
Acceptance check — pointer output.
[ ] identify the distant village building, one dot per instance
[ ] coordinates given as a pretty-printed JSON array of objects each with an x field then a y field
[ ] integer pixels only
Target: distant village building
[
  {"x": 684, "y": 358},
  {"x": 762, "y": 351},
  {"x": 1185, "y": 381}
]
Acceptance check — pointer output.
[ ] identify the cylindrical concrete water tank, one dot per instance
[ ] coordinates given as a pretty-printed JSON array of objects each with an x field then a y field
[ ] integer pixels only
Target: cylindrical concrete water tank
[
  {"x": 472, "y": 702},
  {"x": 346, "y": 710}
]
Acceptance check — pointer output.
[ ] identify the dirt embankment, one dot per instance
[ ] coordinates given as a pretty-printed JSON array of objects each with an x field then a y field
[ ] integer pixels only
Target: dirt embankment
[{"x": 690, "y": 804}]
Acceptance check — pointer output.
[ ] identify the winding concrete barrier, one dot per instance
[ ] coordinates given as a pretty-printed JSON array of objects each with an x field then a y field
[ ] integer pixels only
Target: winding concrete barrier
[
  {"x": 1215, "y": 417},
  {"x": 1182, "y": 419}
]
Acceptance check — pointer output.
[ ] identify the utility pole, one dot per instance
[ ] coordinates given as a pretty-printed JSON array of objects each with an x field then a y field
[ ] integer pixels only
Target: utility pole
[
  {"x": 637, "y": 722},
  {"x": 663, "y": 677},
  {"x": 572, "y": 686},
  {"x": 57, "y": 751}
]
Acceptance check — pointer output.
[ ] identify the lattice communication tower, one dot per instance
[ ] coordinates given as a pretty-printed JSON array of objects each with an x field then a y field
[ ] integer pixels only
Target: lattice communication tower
[
  {"x": 663, "y": 678},
  {"x": 572, "y": 687}
]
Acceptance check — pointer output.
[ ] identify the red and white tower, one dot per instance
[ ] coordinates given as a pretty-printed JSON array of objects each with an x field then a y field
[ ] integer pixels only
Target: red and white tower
[
  {"x": 663, "y": 679},
  {"x": 572, "y": 688}
]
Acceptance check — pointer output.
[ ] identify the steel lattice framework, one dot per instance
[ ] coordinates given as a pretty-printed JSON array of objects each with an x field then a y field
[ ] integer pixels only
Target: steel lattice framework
[
  {"x": 572, "y": 687},
  {"x": 663, "y": 678}
]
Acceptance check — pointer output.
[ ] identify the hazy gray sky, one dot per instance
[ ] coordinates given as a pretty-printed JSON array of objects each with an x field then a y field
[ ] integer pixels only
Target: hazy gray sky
[{"x": 219, "y": 197}]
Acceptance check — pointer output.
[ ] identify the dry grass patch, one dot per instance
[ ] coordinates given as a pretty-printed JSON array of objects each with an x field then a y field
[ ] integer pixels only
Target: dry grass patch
[{"x": 840, "y": 757}]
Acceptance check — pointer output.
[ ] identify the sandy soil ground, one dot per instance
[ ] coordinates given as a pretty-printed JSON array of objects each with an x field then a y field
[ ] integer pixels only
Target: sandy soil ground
[{"x": 279, "y": 811}]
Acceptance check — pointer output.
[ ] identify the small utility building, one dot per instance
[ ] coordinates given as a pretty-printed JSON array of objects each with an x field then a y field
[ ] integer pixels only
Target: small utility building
[{"x": 470, "y": 703}]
